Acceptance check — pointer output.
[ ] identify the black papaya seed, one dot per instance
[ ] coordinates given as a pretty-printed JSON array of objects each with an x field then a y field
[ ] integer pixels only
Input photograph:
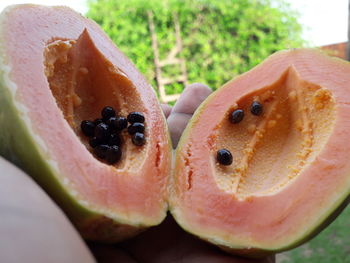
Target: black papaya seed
[
  {"x": 107, "y": 112},
  {"x": 136, "y": 127},
  {"x": 98, "y": 121},
  {"x": 135, "y": 117},
  {"x": 138, "y": 139},
  {"x": 88, "y": 128},
  {"x": 101, "y": 150},
  {"x": 93, "y": 142},
  {"x": 102, "y": 132},
  {"x": 114, "y": 154},
  {"x": 118, "y": 123},
  {"x": 236, "y": 116},
  {"x": 224, "y": 157},
  {"x": 114, "y": 139},
  {"x": 256, "y": 108}
]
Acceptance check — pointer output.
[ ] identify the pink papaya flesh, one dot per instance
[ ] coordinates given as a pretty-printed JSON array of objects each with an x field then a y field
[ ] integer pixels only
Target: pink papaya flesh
[
  {"x": 58, "y": 69},
  {"x": 288, "y": 177},
  {"x": 290, "y": 173}
]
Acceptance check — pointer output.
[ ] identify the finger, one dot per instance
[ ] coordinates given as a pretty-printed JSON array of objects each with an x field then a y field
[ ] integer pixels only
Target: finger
[
  {"x": 166, "y": 109},
  {"x": 192, "y": 96},
  {"x": 32, "y": 228},
  {"x": 190, "y": 99},
  {"x": 177, "y": 122}
]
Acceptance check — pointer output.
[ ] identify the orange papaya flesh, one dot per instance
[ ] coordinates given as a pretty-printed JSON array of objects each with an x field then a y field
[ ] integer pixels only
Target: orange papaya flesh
[
  {"x": 57, "y": 69},
  {"x": 290, "y": 173}
]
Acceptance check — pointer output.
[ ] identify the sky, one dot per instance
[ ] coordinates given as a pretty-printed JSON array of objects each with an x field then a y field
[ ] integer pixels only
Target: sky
[{"x": 324, "y": 21}]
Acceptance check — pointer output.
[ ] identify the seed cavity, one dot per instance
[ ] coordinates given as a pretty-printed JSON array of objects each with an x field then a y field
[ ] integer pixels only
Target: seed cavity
[
  {"x": 76, "y": 72},
  {"x": 271, "y": 150},
  {"x": 83, "y": 70},
  {"x": 321, "y": 98},
  {"x": 251, "y": 128},
  {"x": 292, "y": 95},
  {"x": 271, "y": 124},
  {"x": 237, "y": 116},
  {"x": 106, "y": 133}
]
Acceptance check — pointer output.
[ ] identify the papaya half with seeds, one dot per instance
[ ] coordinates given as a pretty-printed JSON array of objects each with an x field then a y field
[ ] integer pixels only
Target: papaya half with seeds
[
  {"x": 59, "y": 69},
  {"x": 260, "y": 168},
  {"x": 286, "y": 124}
]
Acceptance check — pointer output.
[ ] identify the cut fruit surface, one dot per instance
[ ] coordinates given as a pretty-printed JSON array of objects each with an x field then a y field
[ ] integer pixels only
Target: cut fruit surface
[
  {"x": 289, "y": 173},
  {"x": 58, "y": 69},
  {"x": 271, "y": 150}
]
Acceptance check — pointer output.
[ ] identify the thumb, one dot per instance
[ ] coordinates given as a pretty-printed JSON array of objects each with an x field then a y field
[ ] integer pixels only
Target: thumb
[{"x": 193, "y": 95}]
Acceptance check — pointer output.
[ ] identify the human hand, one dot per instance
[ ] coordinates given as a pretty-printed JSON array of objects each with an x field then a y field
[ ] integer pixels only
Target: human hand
[{"x": 34, "y": 229}]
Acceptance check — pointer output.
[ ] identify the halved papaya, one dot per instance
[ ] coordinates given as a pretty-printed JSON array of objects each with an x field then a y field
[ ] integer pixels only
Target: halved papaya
[
  {"x": 263, "y": 164},
  {"x": 261, "y": 167},
  {"x": 59, "y": 69}
]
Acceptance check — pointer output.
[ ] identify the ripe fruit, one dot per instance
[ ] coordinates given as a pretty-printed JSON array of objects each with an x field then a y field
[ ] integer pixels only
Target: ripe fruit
[
  {"x": 57, "y": 70},
  {"x": 290, "y": 174}
]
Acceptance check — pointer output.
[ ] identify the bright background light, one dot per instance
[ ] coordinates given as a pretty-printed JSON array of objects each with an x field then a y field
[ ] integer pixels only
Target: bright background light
[
  {"x": 78, "y": 5},
  {"x": 324, "y": 21}
]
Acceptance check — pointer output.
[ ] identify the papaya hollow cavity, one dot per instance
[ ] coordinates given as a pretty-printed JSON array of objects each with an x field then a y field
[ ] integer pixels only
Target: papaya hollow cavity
[
  {"x": 272, "y": 149},
  {"x": 83, "y": 82}
]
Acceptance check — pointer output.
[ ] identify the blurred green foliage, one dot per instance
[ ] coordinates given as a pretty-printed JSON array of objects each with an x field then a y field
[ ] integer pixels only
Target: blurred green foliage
[
  {"x": 330, "y": 246},
  {"x": 220, "y": 38}
]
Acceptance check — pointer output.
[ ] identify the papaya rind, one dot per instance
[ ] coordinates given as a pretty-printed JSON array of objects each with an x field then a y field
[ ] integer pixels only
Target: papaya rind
[
  {"x": 254, "y": 252},
  {"x": 20, "y": 144}
]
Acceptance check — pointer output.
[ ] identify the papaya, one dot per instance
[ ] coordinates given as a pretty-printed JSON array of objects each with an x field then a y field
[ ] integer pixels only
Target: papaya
[
  {"x": 263, "y": 164},
  {"x": 67, "y": 97},
  {"x": 261, "y": 167}
]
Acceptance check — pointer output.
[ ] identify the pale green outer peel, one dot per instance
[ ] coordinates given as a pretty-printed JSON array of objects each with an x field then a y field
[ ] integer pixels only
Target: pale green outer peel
[{"x": 326, "y": 217}]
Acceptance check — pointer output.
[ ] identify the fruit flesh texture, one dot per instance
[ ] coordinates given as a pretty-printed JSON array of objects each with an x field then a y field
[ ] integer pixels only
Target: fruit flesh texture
[
  {"x": 48, "y": 87},
  {"x": 296, "y": 123},
  {"x": 83, "y": 82},
  {"x": 290, "y": 172}
]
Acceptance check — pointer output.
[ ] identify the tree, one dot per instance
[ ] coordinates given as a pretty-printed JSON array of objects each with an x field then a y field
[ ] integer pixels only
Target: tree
[{"x": 220, "y": 39}]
